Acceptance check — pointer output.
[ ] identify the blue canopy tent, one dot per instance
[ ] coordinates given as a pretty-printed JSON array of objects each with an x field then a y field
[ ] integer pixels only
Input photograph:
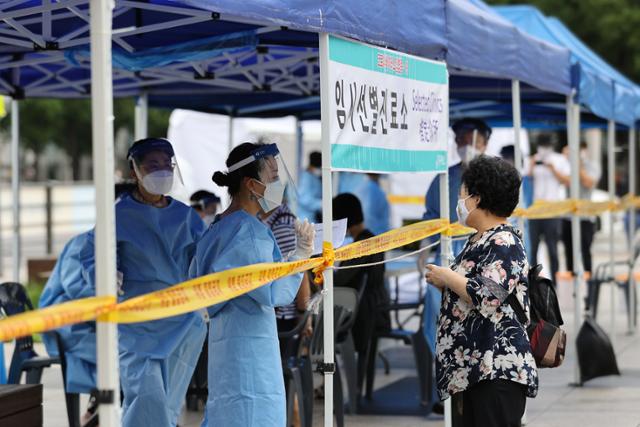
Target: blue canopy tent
[
  {"x": 260, "y": 57},
  {"x": 601, "y": 88},
  {"x": 606, "y": 93}
]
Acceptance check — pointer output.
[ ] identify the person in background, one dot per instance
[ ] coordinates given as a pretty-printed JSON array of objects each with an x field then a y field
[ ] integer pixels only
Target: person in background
[
  {"x": 589, "y": 174},
  {"x": 310, "y": 189},
  {"x": 70, "y": 280},
  {"x": 550, "y": 172},
  {"x": 206, "y": 204},
  {"x": 281, "y": 221},
  {"x": 483, "y": 352},
  {"x": 375, "y": 205},
  {"x": 155, "y": 240},
  {"x": 371, "y": 316},
  {"x": 471, "y": 138},
  {"x": 246, "y": 384},
  {"x": 351, "y": 182},
  {"x": 508, "y": 154}
]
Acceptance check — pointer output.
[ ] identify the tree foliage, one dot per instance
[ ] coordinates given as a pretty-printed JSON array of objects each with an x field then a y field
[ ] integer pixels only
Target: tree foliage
[
  {"x": 610, "y": 27},
  {"x": 67, "y": 124}
]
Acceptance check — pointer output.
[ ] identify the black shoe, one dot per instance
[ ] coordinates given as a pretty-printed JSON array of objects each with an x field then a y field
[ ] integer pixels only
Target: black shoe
[{"x": 438, "y": 408}]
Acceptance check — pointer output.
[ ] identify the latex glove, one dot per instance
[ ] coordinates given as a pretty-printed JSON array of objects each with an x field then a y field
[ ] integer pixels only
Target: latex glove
[{"x": 305, "y": 235}]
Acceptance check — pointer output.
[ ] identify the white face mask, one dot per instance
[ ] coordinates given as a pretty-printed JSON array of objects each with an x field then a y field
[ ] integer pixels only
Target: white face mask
[
  {"x": 467, "y": 153},
  {"x": 208, "y": 219},
  {"x": 158, "y": 182},
  {"x": 273, "y": 195},
  {"x": 463, "y": 212}
]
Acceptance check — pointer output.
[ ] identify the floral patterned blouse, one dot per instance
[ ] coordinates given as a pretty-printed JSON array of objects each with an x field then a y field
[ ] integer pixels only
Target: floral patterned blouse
[{"x": 484, "y": 340}]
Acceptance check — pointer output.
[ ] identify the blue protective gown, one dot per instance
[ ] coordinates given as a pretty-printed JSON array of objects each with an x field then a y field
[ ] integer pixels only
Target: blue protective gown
[
  {"x": 70, "y": 280},
  {"x": 157, "y": 359},
  {"x": 433, "y": 296},
  {"x": 351, "y": 182},
  {"x": 309, "y": 196},
  {"x": 246, "y": 386},
  {"x": 375, "y": 207}
]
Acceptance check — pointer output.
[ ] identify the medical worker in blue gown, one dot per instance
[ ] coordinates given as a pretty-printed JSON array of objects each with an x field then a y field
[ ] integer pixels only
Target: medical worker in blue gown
[
  {"x": 246, "y": 386},
  {"x": 375, "y": 205},
  {"x": 70, "y": 280},
  {"x": 310, "y": 189},
  {"x": 156, "y": 239}
]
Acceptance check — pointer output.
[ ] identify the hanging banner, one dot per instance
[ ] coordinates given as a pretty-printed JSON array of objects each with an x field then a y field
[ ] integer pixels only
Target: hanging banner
[{"x": 388, "y": 110}]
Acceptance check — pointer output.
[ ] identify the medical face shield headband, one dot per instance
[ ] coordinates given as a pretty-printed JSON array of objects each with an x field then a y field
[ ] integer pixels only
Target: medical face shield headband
[{"x": 272, "y": 168}]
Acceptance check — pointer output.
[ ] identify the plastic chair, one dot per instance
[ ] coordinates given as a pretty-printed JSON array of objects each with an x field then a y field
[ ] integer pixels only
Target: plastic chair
[
  {"x": 345, "y": 303},
  {"x": 292, "y": 371},
  {"x": 603, "y": 275},
  {"x": 421, "y": 353},
  {"x": 14, "y": 300},
  {"x": 345, "y": 345}
]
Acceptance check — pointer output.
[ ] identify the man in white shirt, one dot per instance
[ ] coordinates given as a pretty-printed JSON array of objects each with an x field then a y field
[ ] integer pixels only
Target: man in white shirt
[
  {"x": 550, "y": 172},
  {"x": 590, "y": 173}
]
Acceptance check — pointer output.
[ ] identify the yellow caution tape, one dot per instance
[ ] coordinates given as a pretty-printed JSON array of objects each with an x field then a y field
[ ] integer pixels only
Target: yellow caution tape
[
  {"x": 392, "y": 239},
  {"x": 56, "y": 316},
  {"x": 631, "y": 202},
  {"x": 222, "y": 286},
  {"x": 457, "y": 230},
  {"x": 543, "y": 209},
  {"x": 206, "y": 290},
  {"x": 397, "y": 199}
]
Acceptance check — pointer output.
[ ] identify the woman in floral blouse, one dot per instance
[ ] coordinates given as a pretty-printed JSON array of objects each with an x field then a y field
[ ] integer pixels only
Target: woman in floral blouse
[{"x": 483, "y": 353}]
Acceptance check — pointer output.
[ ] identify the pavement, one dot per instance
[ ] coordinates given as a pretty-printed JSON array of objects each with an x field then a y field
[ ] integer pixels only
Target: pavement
[{"x": 608, "y": 401}]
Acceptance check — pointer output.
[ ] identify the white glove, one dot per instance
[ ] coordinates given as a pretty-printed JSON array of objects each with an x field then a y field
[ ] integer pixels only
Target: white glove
[{"x": 305, "y": 235}]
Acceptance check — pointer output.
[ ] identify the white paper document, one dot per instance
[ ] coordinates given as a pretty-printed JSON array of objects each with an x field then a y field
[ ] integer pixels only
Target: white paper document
[{"x": 339, "y": 232}]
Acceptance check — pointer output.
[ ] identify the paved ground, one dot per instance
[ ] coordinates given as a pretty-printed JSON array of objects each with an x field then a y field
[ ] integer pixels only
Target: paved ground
[{"x": 609, "y": 401}]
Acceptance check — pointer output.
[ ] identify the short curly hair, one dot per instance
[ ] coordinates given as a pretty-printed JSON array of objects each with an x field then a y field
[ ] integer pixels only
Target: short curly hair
[{"x": 496, "y": 182}]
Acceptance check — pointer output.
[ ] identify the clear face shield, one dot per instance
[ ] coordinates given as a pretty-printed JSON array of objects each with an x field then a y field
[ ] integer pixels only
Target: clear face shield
[
  {"x": 156, "y": 167},
  {"x": 274, "y": 175}
]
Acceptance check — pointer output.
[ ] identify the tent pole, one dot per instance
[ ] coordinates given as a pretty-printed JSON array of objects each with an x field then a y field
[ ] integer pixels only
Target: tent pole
[
  {"x": 445, "y": 253},
  {"x": 327, "y": 220},
  {"x": 299, "y": 148},
  {"x": 632, "y": 229},
  {"x": 611, "y": 140},
  {"x": 15, "y": 186},
  {"x": 230, "y": 142},
  {"x": 103, "y": 167},
  {"x": 517, "y": 148},
  {"x": 141, "y": 126},
  {"x": 517, "y": 151},
  {"x": 573, "y": 136}
]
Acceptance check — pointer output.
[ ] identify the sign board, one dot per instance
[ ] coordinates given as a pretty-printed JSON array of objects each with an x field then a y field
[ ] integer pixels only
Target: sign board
[{"x": 388, "y": 111}]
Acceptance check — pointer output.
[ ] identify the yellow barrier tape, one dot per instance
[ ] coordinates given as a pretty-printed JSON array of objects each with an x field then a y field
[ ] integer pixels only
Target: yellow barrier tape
[
  {"x": 392, "y": 239},
  {"x": 543, "y": 209},
  {"x": 203, "y": 291},
  {"x": 218, "y": 287},
  {"x": 397, "y": 199},
  {"x": 56, "y": 316},
  {"x": 328, "y": 259},
  {"x": 457, "y": 230},
  {"x": 631, "y": 202},
  {"x": 587, "y": 208}
]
